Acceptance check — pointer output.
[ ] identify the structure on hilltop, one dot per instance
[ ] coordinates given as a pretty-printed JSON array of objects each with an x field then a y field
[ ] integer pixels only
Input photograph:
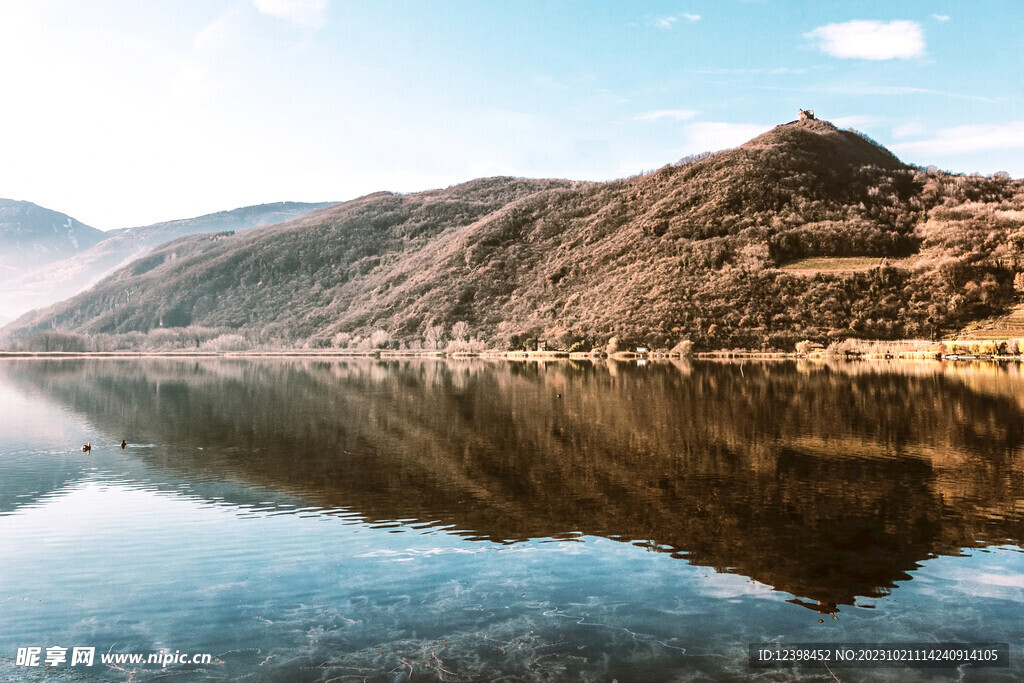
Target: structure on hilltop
[{"x": 806, "y": 114}]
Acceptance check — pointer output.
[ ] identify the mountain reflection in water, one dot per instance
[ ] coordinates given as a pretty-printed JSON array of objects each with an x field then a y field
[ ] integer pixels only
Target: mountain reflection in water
[{"x": 827, "y": 482}]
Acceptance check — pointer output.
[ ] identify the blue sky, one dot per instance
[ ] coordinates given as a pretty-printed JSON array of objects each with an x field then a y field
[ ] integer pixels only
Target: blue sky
[{"x": 124, "y": 113}]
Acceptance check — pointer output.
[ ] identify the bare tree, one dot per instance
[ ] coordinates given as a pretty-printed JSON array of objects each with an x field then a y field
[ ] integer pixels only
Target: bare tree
[
  {"x": 433, "y": 336},
  {"x": 460, "y": 331},
  {"x": 379, "y": 339},
  {"x": 683, "y": 348},
  {"x": 341, "y": 340}
]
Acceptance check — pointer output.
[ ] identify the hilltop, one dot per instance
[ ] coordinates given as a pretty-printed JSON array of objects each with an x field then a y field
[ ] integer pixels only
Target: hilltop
[{"x": 807, "y": 231}]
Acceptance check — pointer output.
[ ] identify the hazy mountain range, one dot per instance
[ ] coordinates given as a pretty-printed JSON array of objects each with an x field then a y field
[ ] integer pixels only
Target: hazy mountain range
[
  {"x": 46, "y": 256},
  {"x": 805, "y": 232},
  {"x": 31, "y": 236}
]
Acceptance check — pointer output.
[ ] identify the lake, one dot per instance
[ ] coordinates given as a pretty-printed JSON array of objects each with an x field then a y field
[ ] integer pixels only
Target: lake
[{"x": 315, "y": 519}]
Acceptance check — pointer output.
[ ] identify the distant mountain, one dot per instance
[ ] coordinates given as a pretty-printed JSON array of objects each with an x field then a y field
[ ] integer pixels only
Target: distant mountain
[
  {"x": 65, "y": 276},
  {"x": 31, "y": 236},
  {"x": 805, "y": 232}
]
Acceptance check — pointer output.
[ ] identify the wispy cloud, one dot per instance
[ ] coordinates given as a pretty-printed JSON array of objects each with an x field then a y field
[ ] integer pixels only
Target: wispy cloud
[
  {"x": 669, "y": 22},
  {"x": 870, "y": 39},
  {"x": 711, "y": 136},
  {"x": 854, "y": 121},
  {"x": 903, "y": 90},
  {"x": 666, "y": 114},
  {"x": 751, "y": 71},
  {"x": 216, "y": 35},
  {"x": 909, "y": 130},
  {"x": 940, "y": 17},
  {"x": 310, "y": 14},
  {"x": 967, "y": 139}
]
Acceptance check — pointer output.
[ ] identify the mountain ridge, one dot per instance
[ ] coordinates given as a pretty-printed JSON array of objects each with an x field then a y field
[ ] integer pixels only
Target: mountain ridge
[
  {"x": 53, "y": 281},
  {"x": 32, "y": 235},
  {"x": 691, "y": 251}
]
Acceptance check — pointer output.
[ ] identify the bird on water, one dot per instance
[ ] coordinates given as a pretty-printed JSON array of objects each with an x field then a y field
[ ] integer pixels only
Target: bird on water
[{"x": 123, "y": 443}]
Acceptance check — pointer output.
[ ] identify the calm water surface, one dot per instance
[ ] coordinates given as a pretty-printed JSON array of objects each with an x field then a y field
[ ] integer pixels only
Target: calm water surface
[{"x": 425, "y": 520}]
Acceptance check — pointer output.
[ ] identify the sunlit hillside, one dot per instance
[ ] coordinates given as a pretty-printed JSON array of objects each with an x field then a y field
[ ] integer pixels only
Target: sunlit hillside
[{"x": 713, "y": 249}]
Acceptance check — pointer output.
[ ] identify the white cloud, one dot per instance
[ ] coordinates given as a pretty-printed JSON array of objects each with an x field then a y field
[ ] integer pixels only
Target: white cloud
[
  {"x": 669, "y": 22},
  {"x": 940, "y": 17},
  {"x": 909, "y": 130},
  {"x": 967, "y": 139},
  {"x": 670, "y": 114},
  {"x": 870, "y": 39},
  {"x": 854, "y": 121},
  {"x": 307, "y": 13},
  {"x": 711, "y": 136},
  {"x": 218, "y": 34}
]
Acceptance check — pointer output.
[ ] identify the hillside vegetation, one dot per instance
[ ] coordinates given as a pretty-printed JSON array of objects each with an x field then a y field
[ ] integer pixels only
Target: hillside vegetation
[
  {"x": 696, "y": 250},
  {"x": 67, "y": 274}
]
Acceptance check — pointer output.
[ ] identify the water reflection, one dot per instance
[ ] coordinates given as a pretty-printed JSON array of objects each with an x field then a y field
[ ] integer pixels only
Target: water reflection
[{"x": 830, "y": 483}]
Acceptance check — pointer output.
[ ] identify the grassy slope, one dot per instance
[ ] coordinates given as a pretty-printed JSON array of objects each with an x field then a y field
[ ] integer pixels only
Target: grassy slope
[{"x": 697, "y": 250}]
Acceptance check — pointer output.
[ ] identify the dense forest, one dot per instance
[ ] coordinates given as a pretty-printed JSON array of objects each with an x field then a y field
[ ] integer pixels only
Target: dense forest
[{"x": 805, "y": 232}]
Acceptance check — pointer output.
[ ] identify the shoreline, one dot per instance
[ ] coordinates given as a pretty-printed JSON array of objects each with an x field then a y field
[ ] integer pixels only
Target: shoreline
[{"x": 622, "y": 356}]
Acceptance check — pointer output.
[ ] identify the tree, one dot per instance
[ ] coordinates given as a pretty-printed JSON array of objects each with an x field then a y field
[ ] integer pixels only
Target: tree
[
  {"x": 379, "y": 339},
  {"x": 433, "y": 336},
  {"x": 55, "y": 340},
  {"x": 227, "y": 342},
  {"x": 460, "y": 331},
  {"x": 683, "y": 348},
  {"x": 613, "y": 346}
]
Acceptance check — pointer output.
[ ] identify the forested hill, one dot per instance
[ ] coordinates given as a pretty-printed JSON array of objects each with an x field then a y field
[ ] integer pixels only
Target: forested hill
[{"x": 805, "y": 232}]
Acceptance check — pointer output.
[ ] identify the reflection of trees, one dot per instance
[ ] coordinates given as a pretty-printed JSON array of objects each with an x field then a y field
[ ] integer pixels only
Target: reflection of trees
[{"x": 828, "y": 482}]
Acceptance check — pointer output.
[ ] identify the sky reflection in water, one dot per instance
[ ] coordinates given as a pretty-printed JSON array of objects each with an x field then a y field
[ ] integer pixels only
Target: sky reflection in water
[{"x": 309, "y": 521}]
